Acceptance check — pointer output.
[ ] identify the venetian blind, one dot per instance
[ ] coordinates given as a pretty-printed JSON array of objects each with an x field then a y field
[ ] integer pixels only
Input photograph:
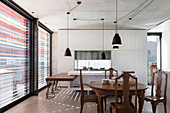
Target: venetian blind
[
  {"x": 43, "y": 57},
  {"x": 14, "y": 55}
]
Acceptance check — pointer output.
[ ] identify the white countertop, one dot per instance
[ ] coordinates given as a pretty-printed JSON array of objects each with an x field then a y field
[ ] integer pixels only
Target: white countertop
[{"x": 89, "y": 73}]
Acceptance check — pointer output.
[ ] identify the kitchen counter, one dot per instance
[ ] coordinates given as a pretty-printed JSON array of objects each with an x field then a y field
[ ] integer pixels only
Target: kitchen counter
[
  {"x": 86, "y": 73},
  {"x": 88, "y": 77},
  {"x": 93, "y": 73}
]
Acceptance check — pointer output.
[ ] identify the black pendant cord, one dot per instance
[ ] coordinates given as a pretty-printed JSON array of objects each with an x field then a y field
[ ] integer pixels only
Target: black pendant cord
[
  {"x": 80, "y": 19},
  {"x": 103, "y": 54},
  {"x": 103, "y": 34},
  {"x": 67, "y": 29},
  {"x": 134, "y": 15},
  {"x": 116, "y": 15},
  {"x": 134, "y": 10},
  {"x": 78, "y": 3}
]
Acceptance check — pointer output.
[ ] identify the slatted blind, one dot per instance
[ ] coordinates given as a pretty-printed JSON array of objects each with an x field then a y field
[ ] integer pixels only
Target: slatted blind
[
  {"x": 43, "y": 57},
  {"x": 14, "y": 55}
]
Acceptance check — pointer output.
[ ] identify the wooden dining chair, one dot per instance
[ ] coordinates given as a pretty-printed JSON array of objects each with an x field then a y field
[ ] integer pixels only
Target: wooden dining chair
[
  {"x": 111, "y": 70},
  {"x": 158, "y": 98},
  {"x": 126, "y": 106},
  {"x": 86, "y": 98}
]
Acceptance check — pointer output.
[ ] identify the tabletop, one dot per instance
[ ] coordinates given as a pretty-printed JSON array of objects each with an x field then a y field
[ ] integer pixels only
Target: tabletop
[
  {"x": 99, "y": 85},
  {"x": 61, "y": 77}
]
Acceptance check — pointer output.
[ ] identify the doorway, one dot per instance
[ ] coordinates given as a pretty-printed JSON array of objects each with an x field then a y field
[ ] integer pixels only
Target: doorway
[{"x": 153, "y": 54}]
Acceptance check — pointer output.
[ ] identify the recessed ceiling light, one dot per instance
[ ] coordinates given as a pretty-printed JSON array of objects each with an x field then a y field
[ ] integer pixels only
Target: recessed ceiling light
[
  {"x": 78, "y": 2},
  {"x": 130, "y": 18}
]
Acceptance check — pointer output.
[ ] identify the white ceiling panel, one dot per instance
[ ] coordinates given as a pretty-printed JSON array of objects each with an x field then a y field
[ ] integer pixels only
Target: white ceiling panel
[{"x": 52, "y": 13}]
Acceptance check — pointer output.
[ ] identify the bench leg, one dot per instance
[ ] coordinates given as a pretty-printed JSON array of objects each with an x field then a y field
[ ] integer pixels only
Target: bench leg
[
  {"x": 48, "y": 84},
  {"x": 52, "y": 89},
  {"x": 56, "y": 85}
]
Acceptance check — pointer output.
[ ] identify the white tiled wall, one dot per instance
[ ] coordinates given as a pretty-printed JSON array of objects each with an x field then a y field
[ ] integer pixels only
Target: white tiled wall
[{"x": 131, "y": 56}]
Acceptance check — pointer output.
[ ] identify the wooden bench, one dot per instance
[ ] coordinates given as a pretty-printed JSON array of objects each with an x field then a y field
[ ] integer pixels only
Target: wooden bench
[{"x": 55, "y": 79}]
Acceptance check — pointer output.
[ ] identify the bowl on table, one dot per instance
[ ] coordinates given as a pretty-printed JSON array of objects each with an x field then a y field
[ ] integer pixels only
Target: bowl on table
[
  {"x": 132, "y": 83},
  {"x": 113, "y": 78},
  {"x": 111, "y": 82},
  {"x": 105, "y": 81}
]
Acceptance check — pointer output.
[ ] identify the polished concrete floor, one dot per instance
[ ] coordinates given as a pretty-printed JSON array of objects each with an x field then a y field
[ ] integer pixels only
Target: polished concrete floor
[{"x": 67, "y": 101}]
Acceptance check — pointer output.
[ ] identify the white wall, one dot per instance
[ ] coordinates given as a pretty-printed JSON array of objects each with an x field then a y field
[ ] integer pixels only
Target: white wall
[
  {"x": 54, "y": 53},
  {"x": 166, "y": 50},
  {"x": 131, "y": 56}
]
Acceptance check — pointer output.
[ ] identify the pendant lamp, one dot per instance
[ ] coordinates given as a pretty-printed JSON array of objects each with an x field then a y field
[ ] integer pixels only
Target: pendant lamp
[
  {"x": 115, "y": 47},
  {"x": 103, "y": 54},
  {"x": 67, "y": 52},
  {"x": 116, "y": 39}
]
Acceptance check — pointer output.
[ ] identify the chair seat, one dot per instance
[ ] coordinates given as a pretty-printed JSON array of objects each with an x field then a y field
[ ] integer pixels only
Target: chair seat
[
  {"x": 90, "y": 98},
  {"x": 153, "y": 98}
]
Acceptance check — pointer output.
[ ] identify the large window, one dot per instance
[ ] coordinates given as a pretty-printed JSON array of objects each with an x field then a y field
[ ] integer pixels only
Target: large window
[
  {"x": 43, "y": 57},
  {"x": 14, "y": 55}
]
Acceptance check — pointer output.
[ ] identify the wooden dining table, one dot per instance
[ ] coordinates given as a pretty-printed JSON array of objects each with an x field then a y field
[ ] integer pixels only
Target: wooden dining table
[{"x": 103, "y": 90}]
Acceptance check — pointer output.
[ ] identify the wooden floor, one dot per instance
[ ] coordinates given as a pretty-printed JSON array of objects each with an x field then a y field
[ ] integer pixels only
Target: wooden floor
[{"x": 66, "y": 101}]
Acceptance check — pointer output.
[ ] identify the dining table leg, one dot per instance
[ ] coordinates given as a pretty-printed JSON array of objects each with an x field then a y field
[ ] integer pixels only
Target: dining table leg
[
  {"x": 141, "y": 101},
  {"x": 100, "y": 101}
]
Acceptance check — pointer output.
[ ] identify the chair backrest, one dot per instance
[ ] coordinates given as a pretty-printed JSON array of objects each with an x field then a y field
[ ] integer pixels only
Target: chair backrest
[
  {"x": 111, "y": 70},
  {"x": 160, "y": 75},
  {"x": 126, "y": 88},
  {"x": 128, "y": 71},
  {"x": 153, "y": 66},
  {"x": 152, "y": 69},
  {"x": 81, "y": 84}
]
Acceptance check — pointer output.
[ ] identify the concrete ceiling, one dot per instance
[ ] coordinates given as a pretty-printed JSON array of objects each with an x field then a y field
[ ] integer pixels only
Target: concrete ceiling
[{"x": 52, "y": 13}]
